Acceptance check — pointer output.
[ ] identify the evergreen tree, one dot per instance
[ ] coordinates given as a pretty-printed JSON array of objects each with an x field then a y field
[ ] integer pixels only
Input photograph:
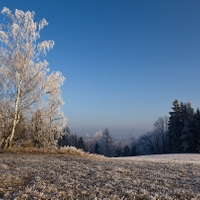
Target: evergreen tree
[
  {"x": 64, "y": 140},
  {"x": 81, "y": 143},
  {"x": 97, "y": 148},
  {"x": 126, "y": 151},
  {"x": 175, "y": 127},
  {"x": 191, "y": 131},
  {"x": 188, "y": 128},
  {"x": 197, "y": 132},
  {"x": 73, "y": 140}
]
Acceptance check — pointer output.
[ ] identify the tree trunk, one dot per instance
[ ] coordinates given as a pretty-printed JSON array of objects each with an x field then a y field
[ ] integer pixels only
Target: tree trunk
[{"x": 7, "y": 142}]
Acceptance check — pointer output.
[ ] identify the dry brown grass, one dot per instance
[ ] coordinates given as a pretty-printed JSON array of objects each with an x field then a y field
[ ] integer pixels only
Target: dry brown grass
[
  {"x": 39, "y": 175},
  {"x": 63, "y": 150}
]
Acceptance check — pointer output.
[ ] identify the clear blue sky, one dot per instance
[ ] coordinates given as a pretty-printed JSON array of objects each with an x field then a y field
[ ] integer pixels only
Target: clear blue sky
[{"x": 124, "y": 61}]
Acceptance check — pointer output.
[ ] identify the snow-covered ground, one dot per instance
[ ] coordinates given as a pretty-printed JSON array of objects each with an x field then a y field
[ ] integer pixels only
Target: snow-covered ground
[
  {"x": 59, "y": 176},
  {"x": 181, "y": 158}
]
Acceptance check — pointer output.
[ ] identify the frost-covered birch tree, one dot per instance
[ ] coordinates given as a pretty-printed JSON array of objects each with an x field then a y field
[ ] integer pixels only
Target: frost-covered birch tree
[
  {"x": 23, "y": 74},
  {"x": 160, "y": 132},
  {"x": 55, "y": 119}
]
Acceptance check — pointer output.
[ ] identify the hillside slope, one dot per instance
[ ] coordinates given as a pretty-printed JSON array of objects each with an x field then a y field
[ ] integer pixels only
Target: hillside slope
[{"x": 59, "y": 176}]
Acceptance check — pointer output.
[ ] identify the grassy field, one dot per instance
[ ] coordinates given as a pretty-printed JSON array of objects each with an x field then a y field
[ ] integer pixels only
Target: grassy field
[{"x": 76, "y": 175}]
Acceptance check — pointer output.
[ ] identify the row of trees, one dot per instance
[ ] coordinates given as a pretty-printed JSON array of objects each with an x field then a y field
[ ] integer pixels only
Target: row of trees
[
  {"x": 101, "y": 143},
  {"x": 179, "y": 133},
  {"x": 30, "y": 97},
  {"x": 156, "y": 141}
]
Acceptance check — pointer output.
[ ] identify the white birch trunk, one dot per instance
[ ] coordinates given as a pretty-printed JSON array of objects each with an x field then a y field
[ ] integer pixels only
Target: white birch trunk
[{"x": 7, "y": 143}]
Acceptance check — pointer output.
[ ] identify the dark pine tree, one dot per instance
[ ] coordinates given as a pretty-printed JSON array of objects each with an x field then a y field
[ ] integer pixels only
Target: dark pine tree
[
  {"x": 81, "y": 143},
  {"x": 97, "y": 148},
  {"x": 126, "y": 151},
  {"x": 175, "y": 127}
]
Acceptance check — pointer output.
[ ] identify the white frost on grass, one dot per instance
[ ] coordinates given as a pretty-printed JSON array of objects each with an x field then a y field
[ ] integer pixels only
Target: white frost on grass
[
  {"x": 62, "y": 176},
  {"x": 181, "y": 158}
]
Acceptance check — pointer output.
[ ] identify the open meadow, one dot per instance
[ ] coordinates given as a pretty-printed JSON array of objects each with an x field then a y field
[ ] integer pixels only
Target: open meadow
[{"x": 79, "y": 175}]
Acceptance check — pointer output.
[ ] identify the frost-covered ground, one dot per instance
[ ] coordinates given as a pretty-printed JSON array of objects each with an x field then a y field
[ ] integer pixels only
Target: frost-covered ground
[
  {"x": 180, "y": 158},
  {"x": 60, "y": 176}
]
